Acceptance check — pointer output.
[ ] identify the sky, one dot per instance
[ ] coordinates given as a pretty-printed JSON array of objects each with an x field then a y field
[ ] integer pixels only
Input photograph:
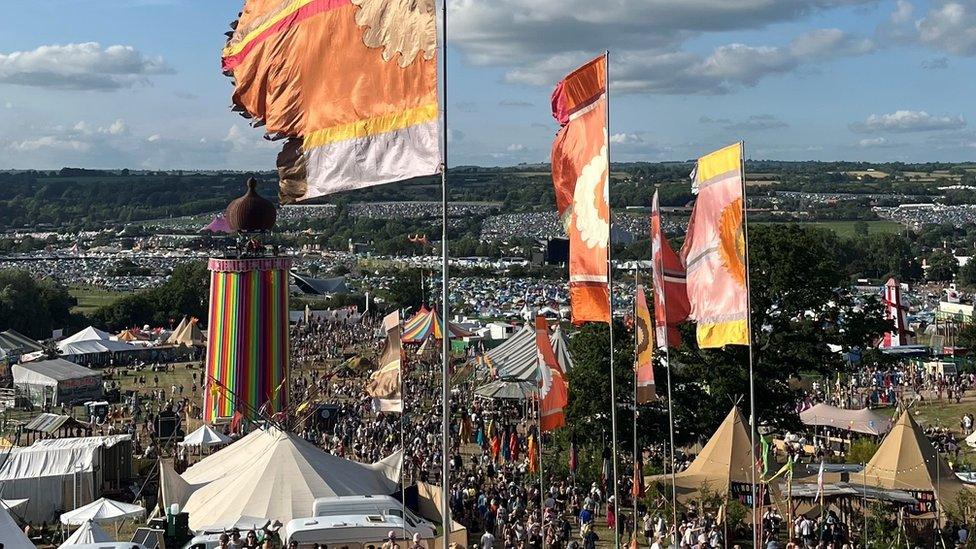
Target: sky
[{"x": 137, "y": 84}]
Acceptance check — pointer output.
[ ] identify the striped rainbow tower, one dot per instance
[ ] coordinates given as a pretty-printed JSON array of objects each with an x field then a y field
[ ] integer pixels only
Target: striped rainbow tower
[{"x": 247, "y": 351}]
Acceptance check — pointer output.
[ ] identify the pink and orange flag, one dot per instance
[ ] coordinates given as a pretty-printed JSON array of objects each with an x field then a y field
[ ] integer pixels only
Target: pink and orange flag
[
  {"x": 644, "y": 361},
  {"x": 670, "y": 284},
  {"x": 352, "y": 85},
  {"x": 714, "y": 251},
  {"x": 580, "y": 174},
  {"x": 553, "y": 391}
]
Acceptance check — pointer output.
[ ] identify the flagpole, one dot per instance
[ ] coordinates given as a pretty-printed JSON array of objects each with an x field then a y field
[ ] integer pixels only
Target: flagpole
[
  {"x": 752, "y": 385},
  {"x": 542, "y": 493},
  {"x": 659, "y": 265},
  {"x": 613, "y": 385},
  {"x": 636, "y": 489},
  {"x": 446, "y": 329},
  {"x": 403, "y": 448}
]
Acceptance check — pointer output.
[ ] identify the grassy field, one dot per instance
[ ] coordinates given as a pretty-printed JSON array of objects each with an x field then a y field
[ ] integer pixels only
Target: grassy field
[
  {"x": 848, "y": 228},
  {"x": 90, "y": 299}
]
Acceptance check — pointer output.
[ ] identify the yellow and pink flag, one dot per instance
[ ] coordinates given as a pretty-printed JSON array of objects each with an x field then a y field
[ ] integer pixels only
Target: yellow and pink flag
[
  {"x": 714, "y": 251},
  {"x": 351, "y": 84},
  {"x": 580, "y": 175}
]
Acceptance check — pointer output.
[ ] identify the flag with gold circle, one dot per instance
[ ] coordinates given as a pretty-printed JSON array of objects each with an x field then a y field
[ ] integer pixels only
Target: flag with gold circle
[
  {"x": 714, "y": 251},
  {"x": 646, "y": 390}
]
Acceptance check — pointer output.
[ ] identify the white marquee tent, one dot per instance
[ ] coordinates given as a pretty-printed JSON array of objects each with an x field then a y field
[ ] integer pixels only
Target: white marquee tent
[
  {"x": 205, "y": 437},
  {"x": 102, "y": 510},
  {"x": 89, "y": 532},
  {"x": 272, "y": 475},
  {"x": 11, "y": 535}
]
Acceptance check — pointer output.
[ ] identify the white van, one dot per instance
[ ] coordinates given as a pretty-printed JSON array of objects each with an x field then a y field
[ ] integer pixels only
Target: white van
[
  {"x": 346, "y": 531},
  {"x": 372, "y": 505}
]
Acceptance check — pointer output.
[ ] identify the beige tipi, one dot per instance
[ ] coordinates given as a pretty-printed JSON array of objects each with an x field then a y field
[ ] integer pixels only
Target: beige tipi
[
  {"x": 725, "y": 459},
  {"x": 906, "y": 460},
  {"x": 187, "y": 334}
]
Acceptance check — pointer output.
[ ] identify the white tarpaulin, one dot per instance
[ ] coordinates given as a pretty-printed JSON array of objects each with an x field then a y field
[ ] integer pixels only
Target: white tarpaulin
[
  {"x": 272, "y": 474},
  {"x": 859, "y": 421},
  {"x": 53, "y": 474},
  {"x": 88, "y": 334},
  {"x": 102, "y": 510},
  {"x": 11, "y": 536},
  {"x": 206, "y": 436},
  {"x": 89, "y": 532}
]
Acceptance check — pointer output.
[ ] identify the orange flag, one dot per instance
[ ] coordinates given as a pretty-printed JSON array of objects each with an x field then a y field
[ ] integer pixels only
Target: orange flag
[
  {"x": 580, "y": 174},
  {"x": 714, "y": 251},
  {"x": 352, "y": 85},
  {"x": 384, "y": 383},
  {"x": 553, "y": 390},
  {"x": 644, "y": 366}
]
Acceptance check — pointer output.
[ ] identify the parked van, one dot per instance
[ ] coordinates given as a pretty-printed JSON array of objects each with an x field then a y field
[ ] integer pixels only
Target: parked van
[
  {"x": 346, "y": 531},
  {"x": 371, "y": 505}
]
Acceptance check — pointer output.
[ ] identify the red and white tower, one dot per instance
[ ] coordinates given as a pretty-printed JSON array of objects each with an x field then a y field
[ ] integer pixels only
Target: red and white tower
[{"x": 895, "y": 312}]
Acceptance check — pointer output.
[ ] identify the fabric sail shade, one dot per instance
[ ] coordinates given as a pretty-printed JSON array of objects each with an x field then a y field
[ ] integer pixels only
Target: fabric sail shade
[
  {"x": 247, "y": 348},
  {"x": 644, "y": 365},
  {"x": 580, "y": 175},
  {"x": 670, "y": 284},
  {"x": 384, "y": 383},
  {"x": 351, "y": 84},
  {"x": 553, "y": 392},
  {"x": 714, "y": 251}
]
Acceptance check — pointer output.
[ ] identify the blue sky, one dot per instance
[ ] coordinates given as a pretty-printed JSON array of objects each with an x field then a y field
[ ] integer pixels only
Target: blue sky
[{"x": 136, "y": 83}]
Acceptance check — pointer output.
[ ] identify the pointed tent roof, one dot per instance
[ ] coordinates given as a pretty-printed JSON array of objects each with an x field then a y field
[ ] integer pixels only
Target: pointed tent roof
[
  {"x": 127, "y": 335},
  {"x": 427, "y": 323},
  {"x": 726, "y": 458},
  {"x": 89, "y": 532},
  {"x": 187, "y": 333},
  {"x": 11, "y": 534},
  {"x": 518, "y": 358},
  {"x": 205, "y": 436},
  {"x": 906, "y": 460},
  {"x": 102, "y": 510},
  {"x": 276, "y": 475},
  {"x": 90, "y": 333}
]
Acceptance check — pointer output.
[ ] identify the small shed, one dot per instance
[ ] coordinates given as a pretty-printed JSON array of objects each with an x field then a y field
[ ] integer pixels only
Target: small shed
[{"x": 55, "y": 382}]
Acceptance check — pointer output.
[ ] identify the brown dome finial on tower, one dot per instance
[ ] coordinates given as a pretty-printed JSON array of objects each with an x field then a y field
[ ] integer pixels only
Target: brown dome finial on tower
[{"x": 251, "y": 212}]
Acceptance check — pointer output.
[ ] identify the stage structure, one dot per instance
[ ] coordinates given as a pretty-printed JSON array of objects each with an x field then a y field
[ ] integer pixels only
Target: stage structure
[{"x": 247, "y": 345}]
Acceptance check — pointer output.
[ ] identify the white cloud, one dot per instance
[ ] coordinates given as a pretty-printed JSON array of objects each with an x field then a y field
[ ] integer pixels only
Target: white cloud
[
  {"x": 547, "y": 38},
  {"x": 905, "y": 121},
  {"x": 878, "y": 143},
  {"x": 118, "y": 127},
  {"x": 936, "y": 64},
  {"x": 626, "y": 138},
  {"x": 85, "y": 66},
  {"x": 8, "y": 105},
  {"x": 82, "y": 127},
  {"x": 515, "y": 147},
  {"x": 51, "y": 142},
  {"x": 950, "y": 26},
  {"x": 903, "y": 12},
  {"x": 156, "y": 137}
]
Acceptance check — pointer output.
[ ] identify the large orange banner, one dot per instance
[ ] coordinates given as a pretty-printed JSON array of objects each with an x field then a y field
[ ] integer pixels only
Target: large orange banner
[{"x": 580, "y": 175}]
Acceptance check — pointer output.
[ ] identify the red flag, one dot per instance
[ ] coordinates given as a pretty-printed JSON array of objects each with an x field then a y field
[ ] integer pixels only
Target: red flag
[
  {"x": 670, "y": 285},
  {"x": 553, "y": 392},
  {"x": 580, "y": 175}
]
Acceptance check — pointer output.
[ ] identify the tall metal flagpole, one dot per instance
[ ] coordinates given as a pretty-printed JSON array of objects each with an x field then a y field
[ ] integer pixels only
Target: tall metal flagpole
[
  {"x": 659, "y": 267},
  {"x": 403, "y": 446},
  {"x": 613, "y": 385},
  {"x": 446, "y": 327},
  {"x": 752, "y": 386},
  {"x": 542, "y": 489},
  {"x": 636, "y": 479}
]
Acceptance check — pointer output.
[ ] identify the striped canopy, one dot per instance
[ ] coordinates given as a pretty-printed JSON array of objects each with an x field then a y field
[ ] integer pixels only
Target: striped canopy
[
  {"x": 518, "y": 357},
  {"x": 426, "y": 324}
]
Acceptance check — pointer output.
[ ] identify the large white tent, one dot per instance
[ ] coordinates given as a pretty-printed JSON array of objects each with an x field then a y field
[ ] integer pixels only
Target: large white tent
[
  {"x": 88, "y": 334},
  {"x": 57, "y": 381},
  {"x": 89, "y": 532},
  {"x": 102, "y": 510},
  {"x": 11, "y": 535},
  {"x": 273, "y": 475}
]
